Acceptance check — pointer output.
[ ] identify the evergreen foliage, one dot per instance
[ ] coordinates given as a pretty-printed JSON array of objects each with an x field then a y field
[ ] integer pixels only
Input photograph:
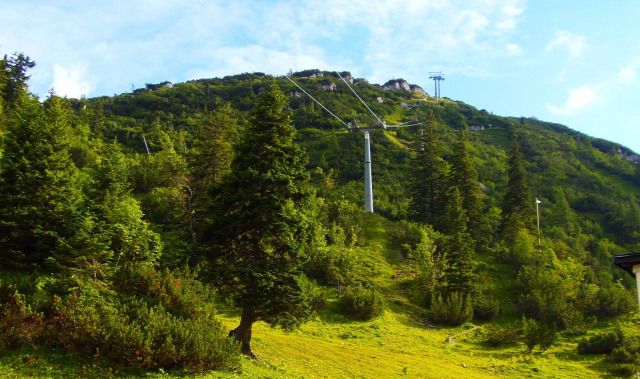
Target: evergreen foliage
[
  {"x": 428, "y": 173},
  {"x": 459, "y": 272},
  {"x": 516, "y": 202},
  {"x": 464, "y": 176},
  {"x": 39, "y": 193},
  {"x": 452, "y": 309},
  {"x": 262, "y": 221},
  {"x": 360, "y": 302}
]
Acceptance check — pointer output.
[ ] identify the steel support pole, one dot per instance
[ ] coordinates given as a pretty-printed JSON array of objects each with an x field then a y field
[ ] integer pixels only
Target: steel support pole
[{"x": 368, "y": 188}]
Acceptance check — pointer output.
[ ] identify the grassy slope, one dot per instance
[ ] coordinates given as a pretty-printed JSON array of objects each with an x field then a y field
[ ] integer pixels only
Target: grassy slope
[{"x": 399, "y": 343}]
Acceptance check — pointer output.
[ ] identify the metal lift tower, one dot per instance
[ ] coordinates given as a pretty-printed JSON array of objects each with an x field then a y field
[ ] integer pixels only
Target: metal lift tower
[
  {"x": 437, "y": 77},
  {"x": 368, "y": 182}
]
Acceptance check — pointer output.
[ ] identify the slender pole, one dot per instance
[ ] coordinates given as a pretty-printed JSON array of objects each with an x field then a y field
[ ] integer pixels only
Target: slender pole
[
  {"x": 538, "y": 217},
  {"x": 368, "y": 188},
  {"x": 636, "y": 271}
]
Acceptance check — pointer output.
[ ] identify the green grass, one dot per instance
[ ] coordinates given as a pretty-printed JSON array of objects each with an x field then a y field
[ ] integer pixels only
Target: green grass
[{"x": 400, "y": 343}]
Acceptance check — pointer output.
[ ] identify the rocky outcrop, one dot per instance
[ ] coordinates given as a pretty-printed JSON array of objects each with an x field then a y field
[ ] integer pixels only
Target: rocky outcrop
[
  {"x": 397, "y": 85},
  {"x": 402, "y": 85},
  {"x": 329, "y": 87},
  {"x": 418, "y": 90}
]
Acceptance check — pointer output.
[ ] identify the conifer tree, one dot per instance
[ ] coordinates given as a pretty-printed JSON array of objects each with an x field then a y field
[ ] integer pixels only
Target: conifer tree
[
  {"x": 13, "y": 80},
  {"x": 463, "y": 175},
  {"x": 516, "y": 203},
  {"x": 261, "y": 222},
  {"x": 39, "y": 194},
  {"x": 427, "y": 177},
  {"x": 459, "y": 272},
  {"x": 209, "y": 160}
]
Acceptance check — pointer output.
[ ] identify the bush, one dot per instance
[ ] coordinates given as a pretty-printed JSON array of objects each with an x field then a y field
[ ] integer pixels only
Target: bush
[
  {"x": 507, "y": 335},
  {"x": 312, "y": 294},
  {"x": 454, "y": 309},
  {"x": 486, "y": 308},
  {"x": 627, "y": 356},
  {"x": 155, "y": 320},
  {"x": 19, "y": 324},
  {"x": 576, "y": 322},
  {"x": 542, "y": 335},
  {"x": 602, "y": 343},
  {"x": 363, "y": 303}
]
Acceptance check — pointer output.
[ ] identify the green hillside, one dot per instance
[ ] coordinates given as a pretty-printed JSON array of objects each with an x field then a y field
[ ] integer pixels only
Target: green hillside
[{"x": 125, "y": 220}]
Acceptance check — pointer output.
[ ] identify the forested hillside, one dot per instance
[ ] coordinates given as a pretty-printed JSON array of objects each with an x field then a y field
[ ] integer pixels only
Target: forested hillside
[{"x": 128, "y": 222}]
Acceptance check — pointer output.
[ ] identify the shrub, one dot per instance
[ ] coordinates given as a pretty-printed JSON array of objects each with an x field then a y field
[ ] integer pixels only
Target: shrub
[
  {"x": 156, "y": 320},
  {"x": 507, "y": 335},
  {"x": 363, "y": 303},
  {"x": 576, "y": 322},
  {"x": 454, "y": 309},
  {"x": 486, "y": 308},
  {"x": 19, "y": 324},
  {"x": 627, "y": 356},
  {"x": 601, "y": 343},
  {"x": 316, "y": 298},
  {"x": 541, "y": 334}
]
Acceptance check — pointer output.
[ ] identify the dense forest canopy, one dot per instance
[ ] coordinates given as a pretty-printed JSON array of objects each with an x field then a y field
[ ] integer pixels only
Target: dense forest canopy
[{"x": 122, "y": 217}]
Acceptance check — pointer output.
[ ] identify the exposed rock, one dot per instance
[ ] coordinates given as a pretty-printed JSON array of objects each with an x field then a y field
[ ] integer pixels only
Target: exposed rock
[
  {"x": 476, "y": 128},
  {"x": 295, "y": 94},
  {"x": 418, "y": 89},
  {"x": 396, "y": 85},
  {"x": 380, "y": 100},
  {"x": 404, "y": 105},
  {"x": 330, "y": 87},
  {"x": 633, "y": 158}
]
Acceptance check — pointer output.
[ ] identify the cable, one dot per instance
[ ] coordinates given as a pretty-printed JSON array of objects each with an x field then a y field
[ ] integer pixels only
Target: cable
[
  {"x": 336, "y": 71},
  {"x": 267, "y": 59}
]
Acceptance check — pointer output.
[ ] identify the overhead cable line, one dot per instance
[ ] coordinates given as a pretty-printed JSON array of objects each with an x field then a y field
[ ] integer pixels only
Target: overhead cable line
[
  {"x": 334, "y": 69},
  {"x": 267, "y": 59}
]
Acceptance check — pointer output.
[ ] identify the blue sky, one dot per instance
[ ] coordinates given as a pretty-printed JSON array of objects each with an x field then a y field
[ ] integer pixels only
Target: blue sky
[{"x": 574, "y": 62}]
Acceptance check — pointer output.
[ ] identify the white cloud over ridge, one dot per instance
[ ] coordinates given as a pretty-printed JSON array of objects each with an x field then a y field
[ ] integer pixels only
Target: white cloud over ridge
[
  {"x": 578, "y": 98},
  {"x": 70, "y": 81}
]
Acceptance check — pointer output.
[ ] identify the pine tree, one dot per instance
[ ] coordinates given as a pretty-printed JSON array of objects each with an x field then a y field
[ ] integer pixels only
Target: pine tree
[
  {"x": 209, "y": 160},
  {"x": 459, "y": 272},
  {"x": 427, "y": 177},
  {"x": 39, "y": 194},
  {"x": 262, "y": 222},
  {"x": 516, "y": 203},
  {"x": 463, "y": 175},
  {"x": 13, "y": 82}
]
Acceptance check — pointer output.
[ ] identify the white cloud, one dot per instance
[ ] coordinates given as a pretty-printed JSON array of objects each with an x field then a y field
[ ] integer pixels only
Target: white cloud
[
  {"x": 513, "y": 49},
  {"x": 69, "y": 81},
  {"x": 578, "y": 99},
  {"x": 574, "y": 43}
]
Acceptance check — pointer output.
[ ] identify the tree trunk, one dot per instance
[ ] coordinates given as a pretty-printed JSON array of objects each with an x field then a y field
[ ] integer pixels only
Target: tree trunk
[{"x": 242, "y": 333}]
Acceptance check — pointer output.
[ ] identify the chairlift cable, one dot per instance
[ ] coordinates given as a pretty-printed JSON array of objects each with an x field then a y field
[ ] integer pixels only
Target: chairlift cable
[
  {"x": 334, "y": 69},
  {"x": 267, "y": 59}
]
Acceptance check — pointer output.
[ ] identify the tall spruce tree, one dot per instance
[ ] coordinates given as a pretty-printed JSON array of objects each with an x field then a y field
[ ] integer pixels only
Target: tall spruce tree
[
  {"x": 516, "y": 204},
  {"x": 261, "y": 222},
  {"x": 459, "y": 272},
  {"x": 463, "y": 175},
  {"x": 427, "y": 177},
  {"x": 209, "y": 159},
  {"x": 39, "y": 194}
]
